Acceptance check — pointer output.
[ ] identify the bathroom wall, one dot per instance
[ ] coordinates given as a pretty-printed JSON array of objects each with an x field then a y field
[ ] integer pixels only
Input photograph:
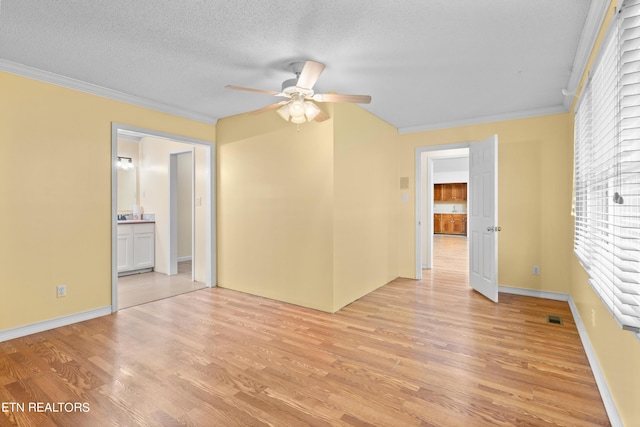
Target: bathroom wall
[
  {"x": 154, "y": 196},
  {"x": 185, "y": 205}
]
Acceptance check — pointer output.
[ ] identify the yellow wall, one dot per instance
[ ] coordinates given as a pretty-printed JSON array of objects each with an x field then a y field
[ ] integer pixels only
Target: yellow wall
[
  {"x": 306, "y": 214},
  {"x": 55, "y": 194},
  {"x": 534, "y": 197},
  {"x": 365, "y": 203},
  {"x": 275, "y": 207}
]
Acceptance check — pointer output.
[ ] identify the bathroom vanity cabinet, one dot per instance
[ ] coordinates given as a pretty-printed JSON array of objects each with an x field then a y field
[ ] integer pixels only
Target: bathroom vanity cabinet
[{"x": 136, "y": 247}]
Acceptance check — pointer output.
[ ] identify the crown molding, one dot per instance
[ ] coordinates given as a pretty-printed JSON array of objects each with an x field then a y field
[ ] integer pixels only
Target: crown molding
[
  {"x": 590, "y": 31},
  {"x": 546, "y": 111},
  {"x": 70, "y": 83}
]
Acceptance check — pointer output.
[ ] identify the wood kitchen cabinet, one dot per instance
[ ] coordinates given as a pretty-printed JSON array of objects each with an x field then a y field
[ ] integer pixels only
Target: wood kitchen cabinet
[
  {"x": 459, "y": 191},
  {"x": 446, "y": 224},
  {"x": 450, "y": 224},
  {"x": 445, "y": 193},
  {"x": 454, "y": 192},
  {"x": 459, "y": 224}
]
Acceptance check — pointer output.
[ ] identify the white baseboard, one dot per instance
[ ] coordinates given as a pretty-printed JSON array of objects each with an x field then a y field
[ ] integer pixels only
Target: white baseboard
[
  {"x": 607, "y": 399},
  {"x": 184, "y": 258},
  {"x": 21, "y": 331},
  {"x": 556, "y": 296},
  {"x": 603, "y": 388}
]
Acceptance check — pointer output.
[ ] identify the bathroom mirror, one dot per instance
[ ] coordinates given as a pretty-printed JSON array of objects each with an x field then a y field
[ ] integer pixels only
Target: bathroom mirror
[{"x": 127, "y": 185}]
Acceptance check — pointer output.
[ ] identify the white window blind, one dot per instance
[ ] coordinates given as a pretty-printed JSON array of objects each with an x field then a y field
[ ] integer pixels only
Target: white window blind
[{"x": 607, "y": 171}]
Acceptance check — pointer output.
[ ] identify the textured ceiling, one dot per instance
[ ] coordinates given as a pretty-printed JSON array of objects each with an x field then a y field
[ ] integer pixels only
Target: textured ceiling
[{"x": 425, "y": 63}]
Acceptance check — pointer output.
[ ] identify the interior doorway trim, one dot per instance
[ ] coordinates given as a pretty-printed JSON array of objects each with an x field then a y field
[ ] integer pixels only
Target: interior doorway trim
[
  {"x": 173, "y": 210},
  {"x": 209, "y": 203},
  {"x": 419, "y": 226}
]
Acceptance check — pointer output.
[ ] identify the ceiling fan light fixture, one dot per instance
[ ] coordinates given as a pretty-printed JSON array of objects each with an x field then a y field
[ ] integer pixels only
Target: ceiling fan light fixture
[
  {"x": 311, "y": 110},
  {"x": 298, "y": 111},
  {"x": 296, "y": 107},
  {"x": 284, "y": 112}
]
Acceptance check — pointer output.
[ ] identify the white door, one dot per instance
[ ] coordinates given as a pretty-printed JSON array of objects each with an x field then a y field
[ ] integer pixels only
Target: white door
[{"x": 483, "y": 217}]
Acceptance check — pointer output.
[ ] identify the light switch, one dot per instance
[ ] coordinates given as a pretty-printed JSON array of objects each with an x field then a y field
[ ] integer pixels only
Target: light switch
[
  {"x": 198, "y": 201},
  {"x": 405, "y": 198}
]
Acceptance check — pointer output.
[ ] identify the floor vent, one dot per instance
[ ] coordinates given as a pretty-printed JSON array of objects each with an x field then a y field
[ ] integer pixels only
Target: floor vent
[{"x": 554, "y": 320}]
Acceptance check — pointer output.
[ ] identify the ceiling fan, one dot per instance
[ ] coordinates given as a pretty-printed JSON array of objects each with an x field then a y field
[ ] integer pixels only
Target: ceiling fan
[{"x": 298, "y": 93}]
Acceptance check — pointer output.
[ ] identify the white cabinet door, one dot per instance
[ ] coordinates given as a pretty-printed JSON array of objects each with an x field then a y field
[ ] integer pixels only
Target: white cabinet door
[
  {"x": 136, "y": 247},
  {"x": 125, "y": 247},
  {"x": 143, "y": 250}
]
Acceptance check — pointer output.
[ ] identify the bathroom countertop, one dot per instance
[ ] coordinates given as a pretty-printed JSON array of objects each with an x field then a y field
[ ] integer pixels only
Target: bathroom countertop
[{"x": 451, "y": 213}]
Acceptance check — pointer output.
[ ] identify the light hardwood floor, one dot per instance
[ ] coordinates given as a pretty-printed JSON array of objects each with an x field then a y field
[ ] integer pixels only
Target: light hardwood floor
[
  {"x": 412, "y": 353},
  {"x": 136, "y": 289}
]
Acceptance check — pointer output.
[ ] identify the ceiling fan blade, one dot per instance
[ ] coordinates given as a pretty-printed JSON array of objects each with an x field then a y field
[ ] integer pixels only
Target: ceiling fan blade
[
  {"x": 268, "y": 108},
  {"x": 321, "y": 117},
  {"x": 309, "y": 75},
  {"x": 336, "y": 97},
  {"x": 248, "y": 89}
]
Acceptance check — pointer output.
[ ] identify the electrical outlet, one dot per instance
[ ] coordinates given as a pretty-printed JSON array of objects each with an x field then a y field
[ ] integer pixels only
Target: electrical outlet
[
  {"x": 61, "y": 291},
  {"x": 536, "y": 269}
]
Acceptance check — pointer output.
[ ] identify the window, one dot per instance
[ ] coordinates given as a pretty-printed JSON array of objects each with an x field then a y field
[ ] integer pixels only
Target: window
[{"x": 607, "y": 171}]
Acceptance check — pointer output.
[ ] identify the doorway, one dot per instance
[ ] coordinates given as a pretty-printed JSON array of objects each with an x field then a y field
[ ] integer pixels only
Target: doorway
[
  {"x": 449, "y": 243},
  {"x": 482, "y": 218},
  {"x": 426, "y": 160},
  {"x": 179, "y": 264}
]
